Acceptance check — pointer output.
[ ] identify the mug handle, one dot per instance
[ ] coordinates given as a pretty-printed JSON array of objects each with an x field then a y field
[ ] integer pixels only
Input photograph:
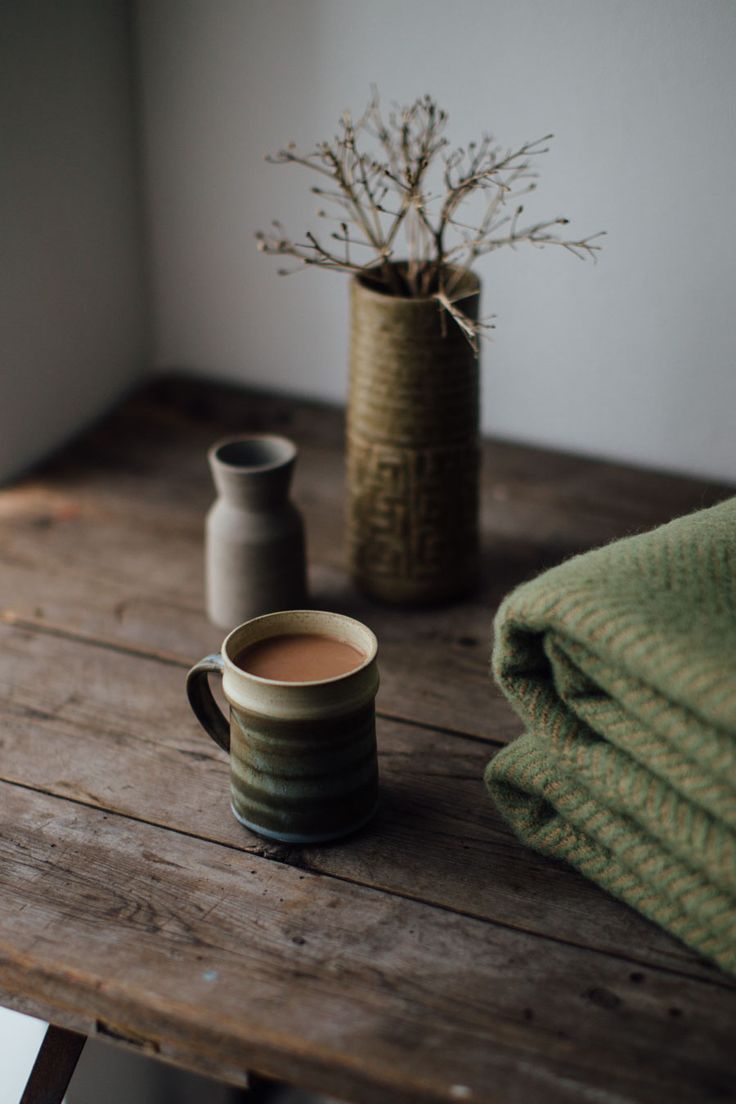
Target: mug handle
[{"x": 201, "y": 699}]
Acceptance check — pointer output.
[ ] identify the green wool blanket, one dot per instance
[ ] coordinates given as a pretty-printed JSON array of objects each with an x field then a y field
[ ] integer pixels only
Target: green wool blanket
[{"x": 622, "y": 664}]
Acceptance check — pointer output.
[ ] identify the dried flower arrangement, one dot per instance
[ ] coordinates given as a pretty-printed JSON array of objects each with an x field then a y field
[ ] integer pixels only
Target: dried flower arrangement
[{"x": 380, "y": 195}]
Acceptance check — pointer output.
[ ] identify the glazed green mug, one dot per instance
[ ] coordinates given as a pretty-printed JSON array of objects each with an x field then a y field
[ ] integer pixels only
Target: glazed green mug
[{"x": 303, "y": 761}]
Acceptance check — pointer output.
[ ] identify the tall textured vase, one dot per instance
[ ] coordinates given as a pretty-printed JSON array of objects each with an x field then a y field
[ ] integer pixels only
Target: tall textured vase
[{"x": 413, "y": 447}]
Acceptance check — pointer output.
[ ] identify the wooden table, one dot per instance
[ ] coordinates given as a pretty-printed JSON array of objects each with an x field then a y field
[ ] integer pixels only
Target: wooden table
[{"x": 429, "y": 958}]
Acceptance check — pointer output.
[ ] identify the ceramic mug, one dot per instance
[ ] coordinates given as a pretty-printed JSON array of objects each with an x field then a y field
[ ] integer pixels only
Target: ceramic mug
[{"x": 303, "y": 763}]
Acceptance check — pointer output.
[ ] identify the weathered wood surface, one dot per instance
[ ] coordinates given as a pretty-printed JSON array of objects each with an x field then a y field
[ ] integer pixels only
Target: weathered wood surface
[
  {"x": 107, "y": 739},
  {"x": 108, "y": 540},
  {"x": 488, "y": 968},
  {"x": 333, "y": 984}
]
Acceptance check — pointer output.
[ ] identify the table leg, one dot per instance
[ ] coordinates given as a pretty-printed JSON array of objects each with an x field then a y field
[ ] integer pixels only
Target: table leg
[{"x": 55, "y": 1063}]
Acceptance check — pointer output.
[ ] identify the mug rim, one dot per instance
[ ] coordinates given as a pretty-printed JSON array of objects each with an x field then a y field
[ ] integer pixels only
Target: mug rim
[{"x": 277, "y": 615}]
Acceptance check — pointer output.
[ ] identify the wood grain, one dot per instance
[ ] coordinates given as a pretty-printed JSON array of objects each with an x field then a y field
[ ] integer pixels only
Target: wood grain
[
  {"x": 431, "y": 957},
  {"x": 107, "y": 540},
  {"x": 106, "y": 728},
  {"x": 341, "y": 988}
]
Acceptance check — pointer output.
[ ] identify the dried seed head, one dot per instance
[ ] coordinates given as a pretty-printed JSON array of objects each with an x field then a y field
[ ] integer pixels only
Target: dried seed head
[{"x": 407, "y": 144}]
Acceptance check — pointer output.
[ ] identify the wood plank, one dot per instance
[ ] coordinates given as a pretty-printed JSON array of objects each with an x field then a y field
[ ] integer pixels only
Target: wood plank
[
  {"x": 107, "y": 539},
  {"x": 251, "y": 962},
  {"x": 107, "y": 728},
  {"x": 85, "y": 1023},
  {"x": 112, "y": 571}
]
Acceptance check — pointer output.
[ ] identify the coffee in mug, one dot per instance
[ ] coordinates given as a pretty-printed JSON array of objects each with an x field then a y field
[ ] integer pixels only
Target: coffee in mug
[
  {"x": 299, "y": 657},
  {"x": 301, "y": 686}
]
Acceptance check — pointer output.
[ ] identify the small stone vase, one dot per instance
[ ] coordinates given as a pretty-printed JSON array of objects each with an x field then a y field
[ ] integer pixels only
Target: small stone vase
[
  {"x": 254, "y": 535},
  {"x": 413, "y": 446}
]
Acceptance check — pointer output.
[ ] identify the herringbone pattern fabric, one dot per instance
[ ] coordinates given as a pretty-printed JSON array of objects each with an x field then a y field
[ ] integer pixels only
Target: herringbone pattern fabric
[{"x": 622, "y": 664}]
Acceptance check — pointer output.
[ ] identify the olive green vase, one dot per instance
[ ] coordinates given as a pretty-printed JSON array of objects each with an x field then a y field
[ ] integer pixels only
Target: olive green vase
[{"x": 413, "y": 447}]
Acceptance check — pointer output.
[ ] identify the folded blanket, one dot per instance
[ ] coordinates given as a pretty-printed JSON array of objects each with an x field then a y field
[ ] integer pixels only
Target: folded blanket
[{"x": 622, "y": 664}]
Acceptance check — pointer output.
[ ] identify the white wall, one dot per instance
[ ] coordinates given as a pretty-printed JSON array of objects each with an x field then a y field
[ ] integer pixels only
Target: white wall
[
  {"x": 72, "y": 300},
  {"x": 633, "y": 358}
]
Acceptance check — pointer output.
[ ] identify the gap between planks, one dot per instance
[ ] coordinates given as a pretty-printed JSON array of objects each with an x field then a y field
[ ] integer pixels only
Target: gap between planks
[
  {"x": 170, "y": 659},
  {"x": 475, "y": 1013},
  {"x": 292, "y": 857},
  {"x": 295, "y": 857}
]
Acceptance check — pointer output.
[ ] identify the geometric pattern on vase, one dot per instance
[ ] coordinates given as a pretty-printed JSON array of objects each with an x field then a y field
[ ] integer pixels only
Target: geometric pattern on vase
[{"x": 413, "y": 512}]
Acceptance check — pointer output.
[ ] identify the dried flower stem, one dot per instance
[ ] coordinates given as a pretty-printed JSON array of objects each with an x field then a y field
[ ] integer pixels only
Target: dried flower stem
[{"x": 376, "y": 198}]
